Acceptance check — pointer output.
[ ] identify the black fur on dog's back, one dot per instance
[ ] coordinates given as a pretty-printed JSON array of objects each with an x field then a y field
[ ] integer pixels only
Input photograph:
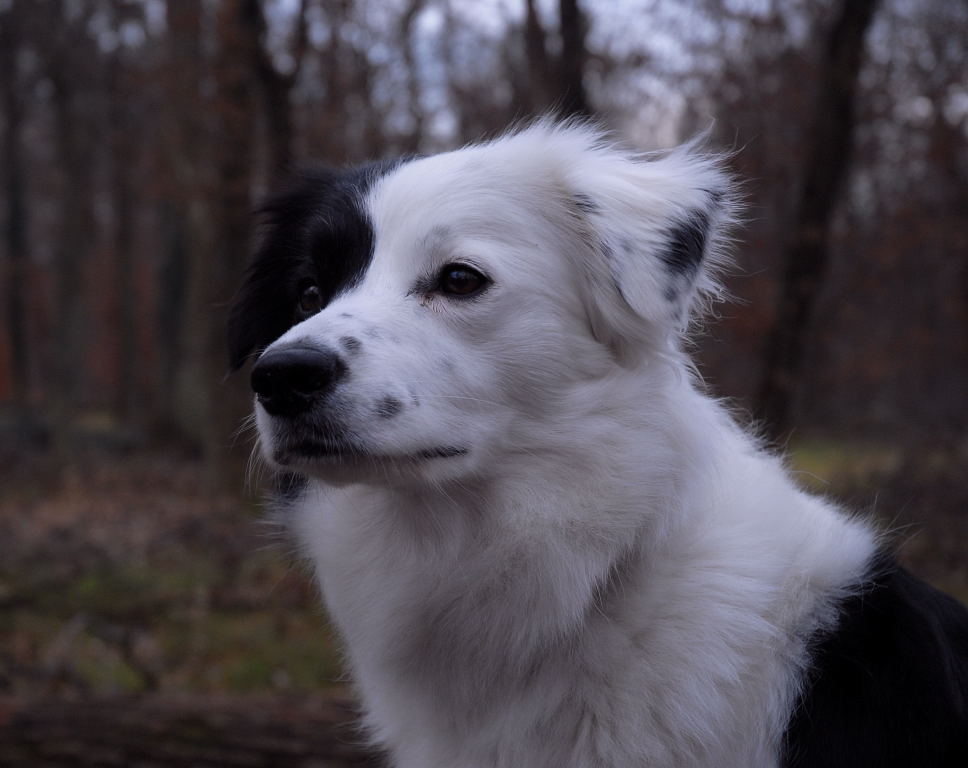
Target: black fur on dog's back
[{"x": 889, "y": 686}]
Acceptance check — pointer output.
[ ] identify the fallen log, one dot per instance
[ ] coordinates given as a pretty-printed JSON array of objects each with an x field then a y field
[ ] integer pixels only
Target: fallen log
[{"x": 202, "y": 732}]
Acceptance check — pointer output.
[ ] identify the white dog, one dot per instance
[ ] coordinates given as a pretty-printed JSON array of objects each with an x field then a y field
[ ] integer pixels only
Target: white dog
[{"x": 542, "y": 543}]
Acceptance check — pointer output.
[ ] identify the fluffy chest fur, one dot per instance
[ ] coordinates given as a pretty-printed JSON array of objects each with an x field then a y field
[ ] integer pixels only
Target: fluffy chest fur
[{"x": 552, "y": 618}]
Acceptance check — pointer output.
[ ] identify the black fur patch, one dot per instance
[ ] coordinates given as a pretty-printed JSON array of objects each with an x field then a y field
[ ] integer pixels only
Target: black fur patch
[
  {"x": 889, "y": 686},
  {"x": 687, "y": 244},
  {"x": 351, "y": 343},
  {"x": 444, "y": 452},
  {"x": 388, "y": 407},
  {"x": 317, "y": 231},
  {"x": 585, "y": 204}
]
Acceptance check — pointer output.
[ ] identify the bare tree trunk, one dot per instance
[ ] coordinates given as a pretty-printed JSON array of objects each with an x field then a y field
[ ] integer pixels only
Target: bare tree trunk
[
  {"x": 331, "y": 122},
  {"x": 172, "y": 280},
  {"x": 372, "y": 141},
  {"x": 827, "y": 163},
  {"x": 276, "y": 86},
  {"x": 571, "y": 67},
  {"x": 235, "y": 67},
  {"x": 408, "y": 43},
  {"x": 539, "y": 64},
  {"x": 182, "y": 394},
  {"x": 235, "y": 64},
  {"x": 16, "y": 219},
  {"x": 450, "y": 59},
  {"x": 68, "y": 253},
  {"x": 67, "y": 57},
  {"x": 122, "y": 198}
]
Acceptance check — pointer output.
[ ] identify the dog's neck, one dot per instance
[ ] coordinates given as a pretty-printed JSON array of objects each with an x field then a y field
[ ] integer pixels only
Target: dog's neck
[{"x": 464, "y": 603}]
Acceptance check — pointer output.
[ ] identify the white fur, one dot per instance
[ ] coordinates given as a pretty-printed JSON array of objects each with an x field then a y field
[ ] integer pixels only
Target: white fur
[{"x": 614, "y": 574}]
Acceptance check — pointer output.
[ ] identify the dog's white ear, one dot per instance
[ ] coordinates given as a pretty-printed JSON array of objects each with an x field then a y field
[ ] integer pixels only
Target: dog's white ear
[{"x": 659, "y": 224}]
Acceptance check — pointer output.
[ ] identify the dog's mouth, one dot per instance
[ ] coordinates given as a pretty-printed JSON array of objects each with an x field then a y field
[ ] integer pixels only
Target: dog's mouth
[{"x": 336, "y": 452}]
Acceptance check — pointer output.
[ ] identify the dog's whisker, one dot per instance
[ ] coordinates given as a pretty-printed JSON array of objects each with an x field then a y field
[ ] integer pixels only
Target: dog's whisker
[
  {"x": 248, "y": 425},
  {"x": 254, "y": 468}
]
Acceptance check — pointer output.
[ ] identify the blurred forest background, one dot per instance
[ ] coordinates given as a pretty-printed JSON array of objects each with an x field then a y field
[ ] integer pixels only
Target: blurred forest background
[{"x": 146, "y": 615}]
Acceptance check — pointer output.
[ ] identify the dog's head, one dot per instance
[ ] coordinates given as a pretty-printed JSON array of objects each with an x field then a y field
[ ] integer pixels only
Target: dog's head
[{"x": 410, "y": 316}]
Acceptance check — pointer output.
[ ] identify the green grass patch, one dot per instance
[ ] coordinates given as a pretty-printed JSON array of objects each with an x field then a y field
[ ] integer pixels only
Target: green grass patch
[
  {"x": 832, "y": 466},
  {"x": 191, "y": 624},
  {"x": 248, "y": 651},
  {"x": 253, "y": 651}
]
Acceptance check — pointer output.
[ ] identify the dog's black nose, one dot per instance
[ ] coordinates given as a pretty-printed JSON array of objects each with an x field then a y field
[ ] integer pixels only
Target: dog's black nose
[{"x": 289, "y": 380}]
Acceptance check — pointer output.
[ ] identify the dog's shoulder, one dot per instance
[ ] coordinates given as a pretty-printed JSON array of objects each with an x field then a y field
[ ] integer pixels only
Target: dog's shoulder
[{"x": 888, "y": 685}]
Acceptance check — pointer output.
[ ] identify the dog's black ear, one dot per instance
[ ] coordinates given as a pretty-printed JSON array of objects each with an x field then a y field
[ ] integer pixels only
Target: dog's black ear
[
  {"x": 316, "y": 230},
  {"x": 264, "y": 306},
  {"x": 660, "y": 224},
  {"x": 259, "y": 314}
]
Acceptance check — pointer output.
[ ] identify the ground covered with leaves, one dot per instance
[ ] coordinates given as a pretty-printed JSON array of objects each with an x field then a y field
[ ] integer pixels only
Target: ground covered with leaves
[
  {"x": 137, "y": 601},
  {"x": 147, "y": 619},
  {"x": 133, "y": 575}
]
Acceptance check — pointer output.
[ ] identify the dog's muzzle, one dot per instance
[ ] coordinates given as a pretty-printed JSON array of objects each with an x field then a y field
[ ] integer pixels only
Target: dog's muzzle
[{"x": 289, "y": 380}]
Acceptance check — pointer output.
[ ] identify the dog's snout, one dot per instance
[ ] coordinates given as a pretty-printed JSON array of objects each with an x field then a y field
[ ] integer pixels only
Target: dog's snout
[{"x": 288, "y": 380}]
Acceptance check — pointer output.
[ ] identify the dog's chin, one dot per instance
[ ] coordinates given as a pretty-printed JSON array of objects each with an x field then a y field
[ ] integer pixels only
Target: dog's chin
[{"x": 342, "y": 463}]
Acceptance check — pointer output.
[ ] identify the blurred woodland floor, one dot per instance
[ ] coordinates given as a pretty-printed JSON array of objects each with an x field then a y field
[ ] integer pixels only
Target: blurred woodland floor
[
  {"x": 145, "y": 620},
  {"x": 137, "y": 603}
]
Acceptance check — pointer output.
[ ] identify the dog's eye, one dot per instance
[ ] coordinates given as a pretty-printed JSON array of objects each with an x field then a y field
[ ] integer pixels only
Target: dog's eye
[
  {"x": 310, "y": 300},
  {"x": 461, "y": 280}
]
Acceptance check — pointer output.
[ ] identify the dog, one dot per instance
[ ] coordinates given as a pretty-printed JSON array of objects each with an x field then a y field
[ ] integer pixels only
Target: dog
[{"x": 541, "y": 541}]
